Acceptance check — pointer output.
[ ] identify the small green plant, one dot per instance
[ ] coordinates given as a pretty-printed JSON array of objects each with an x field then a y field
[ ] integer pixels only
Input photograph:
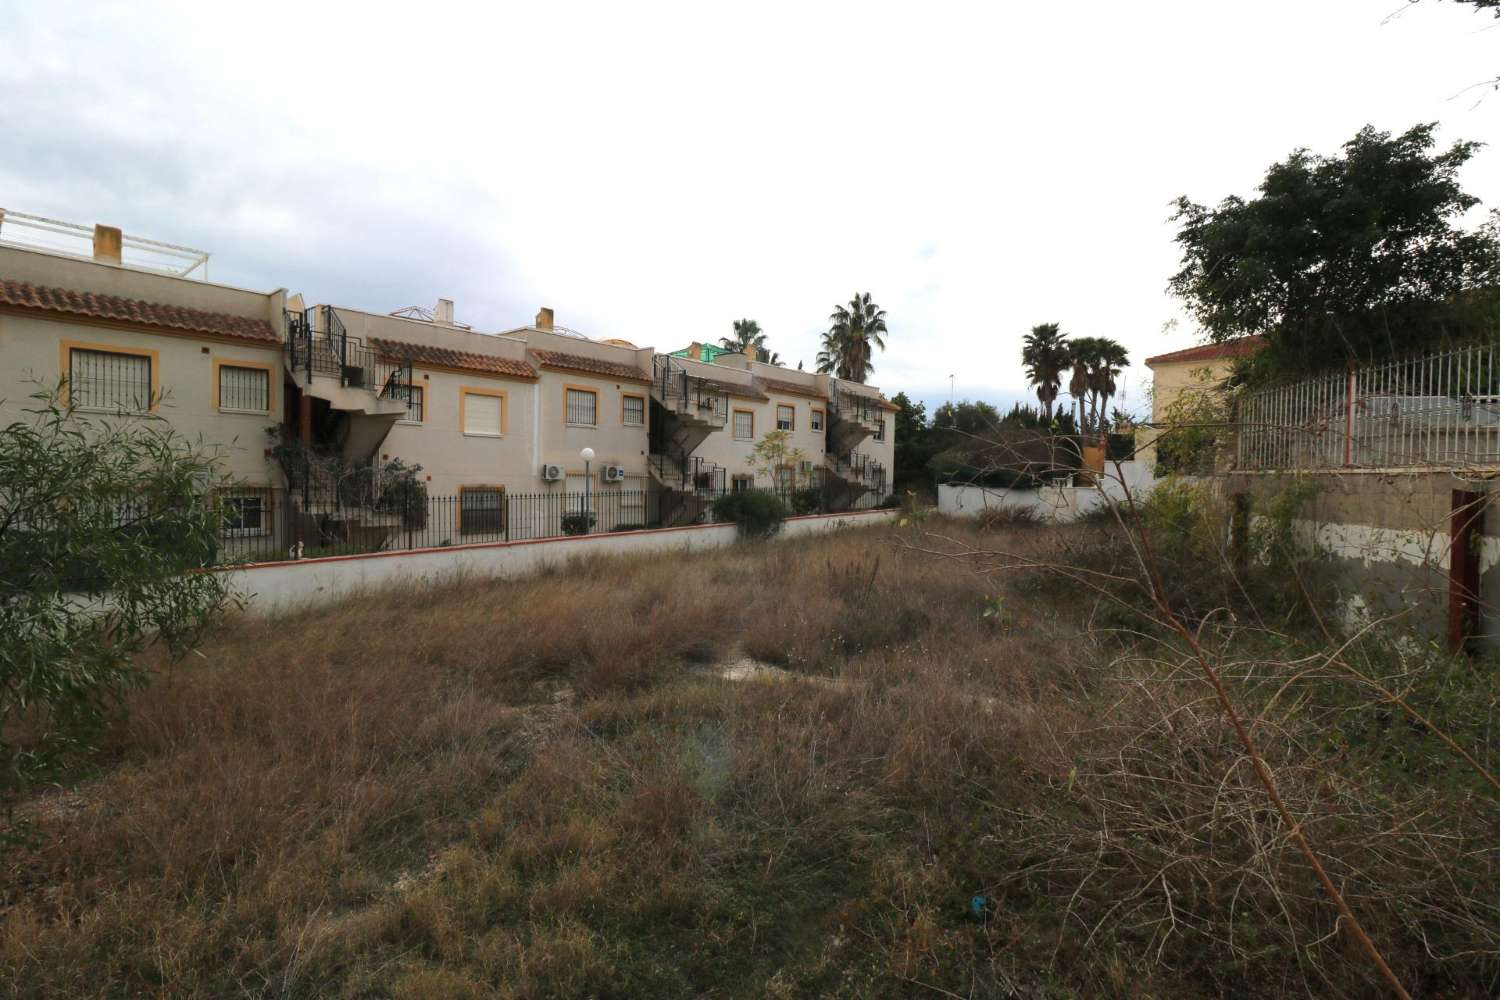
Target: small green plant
[
  {"x": 758, "y": 514},
  {"x": 808, "y": 500}
]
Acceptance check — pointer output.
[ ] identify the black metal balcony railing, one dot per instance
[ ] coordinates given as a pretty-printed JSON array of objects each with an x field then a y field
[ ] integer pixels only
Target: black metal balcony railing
[
  {"x": 326, "y": 350},
  {"x": 696, "y": 475},
  {"x": 686, "y": 394}
]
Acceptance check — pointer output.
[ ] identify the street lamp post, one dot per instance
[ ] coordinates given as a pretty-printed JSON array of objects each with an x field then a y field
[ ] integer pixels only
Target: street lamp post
[{"x": 587, "y": 455}]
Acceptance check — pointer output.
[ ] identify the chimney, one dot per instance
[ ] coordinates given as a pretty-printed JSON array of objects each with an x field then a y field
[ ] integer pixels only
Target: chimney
[
  {"x": 442, "y": 313},
  {"x": 695, "y": 351},
  {"x": 751, "y": 352},
  {"x": 544, "y": 318},
  {"x": 107, "y": 244}
]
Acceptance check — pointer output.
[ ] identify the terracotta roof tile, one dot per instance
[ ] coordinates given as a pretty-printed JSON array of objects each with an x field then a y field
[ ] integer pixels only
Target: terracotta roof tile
[
  {"x": 1239, "y": 348},
  {"x": 592, "y": 366},
  {"x": 444, "y": 357},
  {"x": 93, "y": 306},
  {"x": 792, "y": 388}
]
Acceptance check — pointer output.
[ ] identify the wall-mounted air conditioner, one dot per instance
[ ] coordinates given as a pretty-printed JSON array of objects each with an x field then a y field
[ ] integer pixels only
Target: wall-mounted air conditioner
[
  {"x": 552, "y": 473},
  {"x": 614, "y": 473}
]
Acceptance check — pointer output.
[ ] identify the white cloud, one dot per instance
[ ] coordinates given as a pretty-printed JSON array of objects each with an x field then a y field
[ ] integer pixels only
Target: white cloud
[{"x": 656, "y": 172}]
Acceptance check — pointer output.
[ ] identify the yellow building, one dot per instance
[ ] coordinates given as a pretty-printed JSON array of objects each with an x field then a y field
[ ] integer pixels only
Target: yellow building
[{"x": 1192, "y": 368}]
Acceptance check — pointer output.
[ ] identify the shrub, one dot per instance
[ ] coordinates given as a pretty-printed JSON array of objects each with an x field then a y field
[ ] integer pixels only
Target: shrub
[
  {"x": 757, "y": 513},
  {"x": 808, "y": 500},
  {"x": 578, "y": 522},
  {"x": 100, "y": 521}
]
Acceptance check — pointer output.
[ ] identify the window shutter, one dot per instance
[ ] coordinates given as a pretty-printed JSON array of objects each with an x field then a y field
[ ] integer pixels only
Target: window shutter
[{"x": 481, "y": 414}]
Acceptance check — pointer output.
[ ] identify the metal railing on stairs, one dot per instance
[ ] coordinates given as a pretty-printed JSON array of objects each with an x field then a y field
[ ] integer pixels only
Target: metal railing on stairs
[{"x": 687, "y": 395}]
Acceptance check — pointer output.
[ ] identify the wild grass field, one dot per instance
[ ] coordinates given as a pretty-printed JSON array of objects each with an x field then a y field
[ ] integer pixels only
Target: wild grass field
[{"x": 866, "y": 764}]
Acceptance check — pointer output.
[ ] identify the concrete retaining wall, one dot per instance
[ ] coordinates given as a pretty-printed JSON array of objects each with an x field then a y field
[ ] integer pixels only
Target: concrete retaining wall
[
  {"x": 1054, "y": 504},
  {"x": 269, "y": 587}
]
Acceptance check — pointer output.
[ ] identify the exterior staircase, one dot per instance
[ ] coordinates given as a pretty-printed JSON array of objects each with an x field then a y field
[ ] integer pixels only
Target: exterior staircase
[
  {"x": 852, "y": 480},
  {"x": 367, "y": 390},
  {"x": 685, "y": 410},
  {"x": 852, "y": 418}
]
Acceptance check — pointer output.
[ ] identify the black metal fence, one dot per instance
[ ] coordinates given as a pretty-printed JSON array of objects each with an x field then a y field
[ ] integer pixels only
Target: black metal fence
[{"x": 269, "y": 525}]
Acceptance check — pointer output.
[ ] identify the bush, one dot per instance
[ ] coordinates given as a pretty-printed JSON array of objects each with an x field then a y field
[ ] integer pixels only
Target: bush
[
  {"x": 578, "y": 522},
  {"x": 757, "y": 513},
  {"x": 101, "y": 521},
  {"x": 808, "y": 500}
]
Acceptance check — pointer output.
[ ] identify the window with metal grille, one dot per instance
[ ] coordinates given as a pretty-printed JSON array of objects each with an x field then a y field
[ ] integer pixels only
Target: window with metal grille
[
  {"x": 481, "y": 510},
  {"x": 104, "y": 380},
  {"x": 583, "y": 407},
  {"x": 880, "y": 430},
  {"x": 786, "y": 417},
  {"x": 741, "y": 483},
  {"x": 744, "y": 425},
  {"x": 244, "y": 389},
  {"x": 483, "y": 414},
  {"x": 245, "y": 512},
  {"x": 634, "y": 410},
  {"x": 784, "y": 478},
  {"x": 817, "y": 420},
  {"x": 415, "y": 398}
]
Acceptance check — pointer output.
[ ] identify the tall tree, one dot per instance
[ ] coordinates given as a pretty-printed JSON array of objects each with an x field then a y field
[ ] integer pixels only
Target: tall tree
[
  {"x": 854, "y": 332},
  {"x": 1109, "y": 359},
  {"x": 747, "y": 333},
  {"x": 1080, "y": 359},
  {"x": 1344, "y": 258},
  {"x": 1044, "y": 354}
]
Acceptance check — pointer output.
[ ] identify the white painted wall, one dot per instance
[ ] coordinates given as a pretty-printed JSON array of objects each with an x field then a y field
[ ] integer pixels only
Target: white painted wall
[
  {"x": 274, "y": 586},
  {"x": 1055, "y": 504}
]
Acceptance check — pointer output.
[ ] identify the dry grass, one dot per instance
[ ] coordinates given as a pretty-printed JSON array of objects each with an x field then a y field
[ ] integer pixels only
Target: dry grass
[{"x": 544, "y": 788}]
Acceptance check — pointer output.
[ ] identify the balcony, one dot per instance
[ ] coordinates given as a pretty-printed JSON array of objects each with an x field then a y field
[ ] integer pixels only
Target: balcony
[
  {"x": 368, "y": 389},
  {"x": 853, "y": 417}
]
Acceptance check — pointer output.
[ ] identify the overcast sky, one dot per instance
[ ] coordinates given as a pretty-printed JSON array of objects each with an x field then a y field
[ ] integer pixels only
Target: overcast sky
[{"x": 656, "y": 171}]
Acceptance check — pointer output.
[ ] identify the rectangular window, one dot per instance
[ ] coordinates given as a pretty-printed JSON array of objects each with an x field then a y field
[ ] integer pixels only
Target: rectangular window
[
  {"x": 880, "y": 429},
  {"x": 106, "y": 380},
  {"x": 744, "y": 425},
  {"x": 817, "y": 419},
  {"x": 481, "y": 511},
  {"x": 245, "y": 512},
  {"x": 632, "y": 410},
  {"x": 784, "y": 479},
  {"x": 582, "y": 407},
  {"x": 244, "y": 388},
  {"x": 740, "y": 484},
  {"x": 416, "y": 398},
  {"x": 786, "y": 417},
  {"x": 483, "y": 412}
]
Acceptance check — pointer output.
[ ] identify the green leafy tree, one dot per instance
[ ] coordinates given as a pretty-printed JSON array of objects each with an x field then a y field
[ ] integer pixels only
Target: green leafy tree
[
  {"x": 913, "y": 444},
  {"x": 1044, "y": 355},
  {"x": 101, "y": 520},
  {"x": 854, "y": 332},
  {"x": 1344, "y": 258},
  {"x": 773, "y": 452}
]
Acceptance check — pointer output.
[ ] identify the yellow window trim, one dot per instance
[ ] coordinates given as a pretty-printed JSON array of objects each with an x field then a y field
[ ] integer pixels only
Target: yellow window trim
[
  {"x": 752, "y": 425},
  {"x": 792, "y": 421},
  {"x": 623, "y": 396},
  {"x": 822, "y": 417},
  {"x": 65, "y": 356},
  {"x": 493, "y": 487},
  {"x": 464, "y": 392},
  {"x": 580, "y": 388},
  {"x": 270, "y": 371}
]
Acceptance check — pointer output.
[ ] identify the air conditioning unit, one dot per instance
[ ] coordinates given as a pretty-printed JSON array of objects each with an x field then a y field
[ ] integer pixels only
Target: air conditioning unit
[
  {"x": 552, "y": 473},
  {"x": 614, "y": 473}
]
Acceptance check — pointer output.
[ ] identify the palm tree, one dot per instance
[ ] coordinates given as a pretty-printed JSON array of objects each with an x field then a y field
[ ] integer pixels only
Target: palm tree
[
  {"x": 1044, "y": 353},
  {"x": 1109, "y": 360},
  {"x": 747, "y": 333},
  {"x": 1081, "y": 353},
  {"x": 853, "y": 333}
]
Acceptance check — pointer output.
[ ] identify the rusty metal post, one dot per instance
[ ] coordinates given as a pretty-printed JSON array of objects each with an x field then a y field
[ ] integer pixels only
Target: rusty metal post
[{"x": 1465, "y": 524}]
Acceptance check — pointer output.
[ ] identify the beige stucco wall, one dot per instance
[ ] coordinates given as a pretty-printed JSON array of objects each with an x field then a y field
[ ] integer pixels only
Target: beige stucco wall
[
  {"x": 31, "y": 348},
  {"x": 724, "y": 449},
  {"x": 614, "y": 442},
  {"x": 449, "y": 457}
]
